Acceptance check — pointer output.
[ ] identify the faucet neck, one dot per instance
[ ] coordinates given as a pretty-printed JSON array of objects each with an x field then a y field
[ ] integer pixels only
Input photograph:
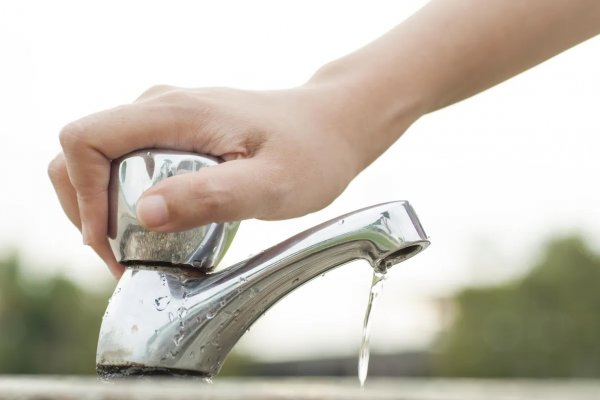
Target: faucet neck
[{"x": 183, "y": 319}]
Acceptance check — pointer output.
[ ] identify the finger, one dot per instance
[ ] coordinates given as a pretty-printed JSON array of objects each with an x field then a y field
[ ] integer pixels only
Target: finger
[
  {"x": 104, "y": 251},
  {"x": 231, "y": 191},
  {"x": 90, "y": 143},
  {"x": 57, "y": 171}
]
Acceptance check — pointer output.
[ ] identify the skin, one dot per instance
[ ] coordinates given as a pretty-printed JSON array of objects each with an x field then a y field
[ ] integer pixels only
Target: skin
[{"x": 291, "y": 152}]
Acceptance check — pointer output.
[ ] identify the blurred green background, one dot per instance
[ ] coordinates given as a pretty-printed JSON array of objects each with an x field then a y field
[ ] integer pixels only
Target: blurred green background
[{"x": 543, "y": 324}]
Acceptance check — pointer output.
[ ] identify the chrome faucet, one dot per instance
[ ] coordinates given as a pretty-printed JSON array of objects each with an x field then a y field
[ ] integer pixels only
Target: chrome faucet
[{"x": 172, "y": 314}]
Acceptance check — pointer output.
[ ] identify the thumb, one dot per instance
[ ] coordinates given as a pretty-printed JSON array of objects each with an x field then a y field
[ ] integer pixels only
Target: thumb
[{"x": 231, "y": 191}]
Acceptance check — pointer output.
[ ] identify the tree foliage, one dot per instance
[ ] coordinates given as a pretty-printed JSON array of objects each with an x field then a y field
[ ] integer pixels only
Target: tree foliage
[
  {"x": 51, "y": 326},
  {"x": 546, "y": 324},
  {"x": 48, "y": 327}
]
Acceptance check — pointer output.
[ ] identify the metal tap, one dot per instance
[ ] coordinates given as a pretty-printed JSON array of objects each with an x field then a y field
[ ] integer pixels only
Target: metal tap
[{"x": 172, "y": 314}]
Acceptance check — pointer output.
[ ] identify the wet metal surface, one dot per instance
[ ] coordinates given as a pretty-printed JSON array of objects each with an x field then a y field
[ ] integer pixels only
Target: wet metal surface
[{"x": 184, "y": 319}]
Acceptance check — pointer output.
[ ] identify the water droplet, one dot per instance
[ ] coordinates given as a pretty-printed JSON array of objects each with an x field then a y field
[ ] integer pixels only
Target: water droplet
[
  {"x": 181, "y": 325},
  {"x": 156, "y": 332},
  {"x": 202, "y": 349},
  {"x": 141, "y": 301},
  {"x": 163, "y": 279},
  {"x": 197, "y": 264},
  {"x": 243, "y": 279},
  {"x": 191, "y": 355},
  {"x": 210, "y": 315},
  {"x": 173, "y": 353},
  {"x": 171, "y": 316},
  {"x": 182, "y": 312},
  {"x": 118, "y": 290},
  {"x": 295, "y": 281},
  {"x": 160, "y": 303},
  {"x": 178, "y": 338},
  {"x": 323, "y": 275},
  {"x": 341, "y": 222},
  {"x": 222, "y": 303}
]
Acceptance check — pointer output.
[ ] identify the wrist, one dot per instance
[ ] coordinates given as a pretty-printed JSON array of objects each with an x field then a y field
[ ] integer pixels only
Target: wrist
[{"x": 369, "y": 110}]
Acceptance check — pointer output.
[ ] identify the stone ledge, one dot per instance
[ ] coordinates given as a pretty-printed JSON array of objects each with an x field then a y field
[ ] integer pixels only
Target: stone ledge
[{"x": 89, "y": 388}]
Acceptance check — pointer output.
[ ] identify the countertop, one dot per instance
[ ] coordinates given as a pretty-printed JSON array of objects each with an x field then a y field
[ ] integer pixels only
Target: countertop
[{"x": 67, "y": 388}]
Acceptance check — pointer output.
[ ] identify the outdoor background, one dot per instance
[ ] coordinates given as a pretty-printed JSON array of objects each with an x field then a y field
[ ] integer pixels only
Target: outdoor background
[{"x": 505, "y": 184}]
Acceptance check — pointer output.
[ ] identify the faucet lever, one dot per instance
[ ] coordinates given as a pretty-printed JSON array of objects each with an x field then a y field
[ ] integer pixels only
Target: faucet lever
[{"x": 202, "y": 247}]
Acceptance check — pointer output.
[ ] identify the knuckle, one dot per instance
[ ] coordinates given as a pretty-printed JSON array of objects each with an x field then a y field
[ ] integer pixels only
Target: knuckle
[
  {"x": 72, "y": 136},
  {"x": 155, "y": 91},
  {"x": 57, "y": 169},
  {"x": 175, "y": 96},
  {"x": 188, "y": 106}
]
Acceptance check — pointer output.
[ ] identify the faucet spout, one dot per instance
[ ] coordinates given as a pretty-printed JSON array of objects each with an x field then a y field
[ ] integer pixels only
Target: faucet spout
[{"x": 180, "y": 320}]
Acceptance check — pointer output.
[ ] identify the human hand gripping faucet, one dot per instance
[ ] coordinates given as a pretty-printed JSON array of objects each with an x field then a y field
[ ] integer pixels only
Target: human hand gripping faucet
[{"x": 291, "y": 152}]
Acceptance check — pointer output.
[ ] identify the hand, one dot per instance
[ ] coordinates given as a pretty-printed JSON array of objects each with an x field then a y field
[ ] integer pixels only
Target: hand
[{"x": 285, "y": 156}]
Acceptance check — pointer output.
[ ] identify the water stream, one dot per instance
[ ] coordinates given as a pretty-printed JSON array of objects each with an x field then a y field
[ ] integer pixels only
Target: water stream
[{"x": 363, "y": 356}]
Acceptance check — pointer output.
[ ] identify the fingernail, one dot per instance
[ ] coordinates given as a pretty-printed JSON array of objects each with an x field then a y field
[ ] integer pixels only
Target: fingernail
[{"x": 152, "y": 211}]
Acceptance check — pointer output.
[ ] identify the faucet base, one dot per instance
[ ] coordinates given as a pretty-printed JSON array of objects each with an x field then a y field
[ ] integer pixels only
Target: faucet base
[{"x": 113, "y": 372}]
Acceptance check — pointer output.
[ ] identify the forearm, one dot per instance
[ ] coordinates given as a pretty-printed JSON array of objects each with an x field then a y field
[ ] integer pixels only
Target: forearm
[{"x": 446, "y": 52}]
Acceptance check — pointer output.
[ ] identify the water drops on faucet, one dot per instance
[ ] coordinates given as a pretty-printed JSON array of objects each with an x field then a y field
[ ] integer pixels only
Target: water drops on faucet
[
  {"x": 182, "y": 312},
  {"x": 178, "y": 338},
  {"x": 160, "y": 303}
]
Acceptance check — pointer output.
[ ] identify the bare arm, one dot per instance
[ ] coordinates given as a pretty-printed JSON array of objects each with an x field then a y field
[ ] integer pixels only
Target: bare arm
[
  {"x": 290, "y": 152},
  {"x": 451, "y": 50}
]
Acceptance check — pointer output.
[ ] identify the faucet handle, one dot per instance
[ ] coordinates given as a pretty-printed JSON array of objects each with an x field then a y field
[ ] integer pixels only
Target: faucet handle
[{"x": 202, "y": 247}]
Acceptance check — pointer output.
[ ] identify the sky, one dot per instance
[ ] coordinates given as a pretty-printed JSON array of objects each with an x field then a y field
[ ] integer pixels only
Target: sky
[{"x": 491, "y": 178}]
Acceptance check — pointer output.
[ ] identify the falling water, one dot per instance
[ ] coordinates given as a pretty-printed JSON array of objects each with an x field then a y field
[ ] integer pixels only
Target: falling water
[{"x": 363, "y": 356}]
